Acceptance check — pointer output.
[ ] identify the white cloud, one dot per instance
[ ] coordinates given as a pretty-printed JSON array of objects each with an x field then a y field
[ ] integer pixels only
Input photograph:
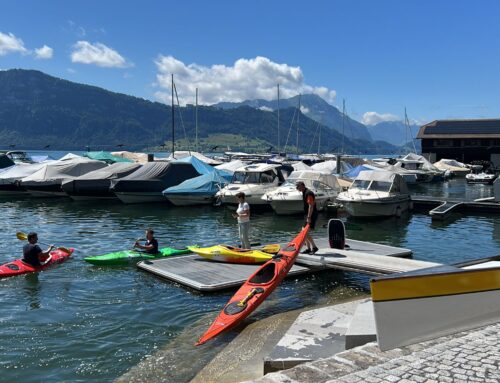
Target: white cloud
[
  {"x": 266, "y": 109},
  {"x": 372, "y": 118},
  {"x": 11, "y": 44},
  {"x": 44, "y": 53},
  {"x": 304, "y": 110},
  {"x": 246, "y": 79},
  {"x": 97, "y": 54}
]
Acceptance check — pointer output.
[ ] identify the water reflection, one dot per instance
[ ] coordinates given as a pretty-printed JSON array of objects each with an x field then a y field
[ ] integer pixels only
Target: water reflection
[{"x": 32, "y": 291}]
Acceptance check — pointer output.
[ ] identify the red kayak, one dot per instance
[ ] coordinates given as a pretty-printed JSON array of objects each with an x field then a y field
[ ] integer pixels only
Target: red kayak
[
  {"x": 253, "y": 292},
  {"x": 18, "y": 267}
]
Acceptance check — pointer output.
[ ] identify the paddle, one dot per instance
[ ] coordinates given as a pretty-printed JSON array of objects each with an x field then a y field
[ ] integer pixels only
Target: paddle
[
  {"x": 271, "y": 248},
  {"x": 24, "y": 237}
]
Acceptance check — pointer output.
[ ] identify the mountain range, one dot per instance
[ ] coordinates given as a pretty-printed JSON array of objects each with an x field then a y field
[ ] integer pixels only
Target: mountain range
[{"x": 37, "y": 110}]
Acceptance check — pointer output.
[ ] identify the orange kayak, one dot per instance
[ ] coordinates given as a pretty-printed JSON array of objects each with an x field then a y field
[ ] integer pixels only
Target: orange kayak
[{"x": 253, "y": 292}]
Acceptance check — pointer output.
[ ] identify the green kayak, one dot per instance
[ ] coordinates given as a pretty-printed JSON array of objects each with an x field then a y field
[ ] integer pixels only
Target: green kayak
[{"x": 128, "y": 256}]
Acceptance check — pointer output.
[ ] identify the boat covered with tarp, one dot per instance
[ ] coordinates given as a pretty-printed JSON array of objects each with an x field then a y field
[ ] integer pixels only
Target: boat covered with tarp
[
  {"x": 199, "y": 190},
  {"x": 96, "y": 184},
  {"x": 147, "y": 183},
  {"x": 10, "y": 179},
  {"x": 47, "y": 180},
  {"x": 106, "y": 157}
]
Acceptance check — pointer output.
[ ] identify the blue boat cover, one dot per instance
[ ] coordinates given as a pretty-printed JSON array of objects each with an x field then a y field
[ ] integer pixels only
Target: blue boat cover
[
  {"x": 209, "y": 182},
  {"x": 353, "y": 173}
]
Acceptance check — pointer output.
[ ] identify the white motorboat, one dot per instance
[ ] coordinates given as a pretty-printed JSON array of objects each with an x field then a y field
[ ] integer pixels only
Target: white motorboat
[
  {"x": 376, "y": 193},
  {"x": 286, "y": 199},
  {"x": 423, "y": 170},
  {"x": 453, "y": 167},
  {"x": 254, "y": 180},
  {"x": 480, "y": 178}
]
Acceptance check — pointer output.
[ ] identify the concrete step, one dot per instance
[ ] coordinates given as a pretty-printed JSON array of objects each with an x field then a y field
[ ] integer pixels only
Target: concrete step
[
  {"x": 469, "y": 356},
  {"x": 315, "y": 334},
  {"x": 362, "y": 329}
]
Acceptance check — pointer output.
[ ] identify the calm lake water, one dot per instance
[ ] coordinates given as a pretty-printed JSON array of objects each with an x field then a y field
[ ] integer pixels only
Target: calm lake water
[{"x": 78, "y": 322}]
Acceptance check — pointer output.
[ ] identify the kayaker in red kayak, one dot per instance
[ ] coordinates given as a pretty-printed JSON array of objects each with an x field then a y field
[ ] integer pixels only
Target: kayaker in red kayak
[
  {"x": 33, "y": 254},
  {"x": 151, "y": 245}
]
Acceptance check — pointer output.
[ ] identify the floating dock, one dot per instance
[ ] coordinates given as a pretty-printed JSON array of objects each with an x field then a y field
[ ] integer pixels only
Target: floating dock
[
  {"x": 442, "y": 207},
  {"x": 364, "y": 257}
]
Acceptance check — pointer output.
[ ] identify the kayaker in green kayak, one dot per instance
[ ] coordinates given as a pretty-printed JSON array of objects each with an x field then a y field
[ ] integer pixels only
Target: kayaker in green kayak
[{"x": 151, "y": 244}]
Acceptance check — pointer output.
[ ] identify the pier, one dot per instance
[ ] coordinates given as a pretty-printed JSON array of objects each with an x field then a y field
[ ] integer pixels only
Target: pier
[
  {"x": 440, "y": 208},
  {"x": 204, "y": 275}
]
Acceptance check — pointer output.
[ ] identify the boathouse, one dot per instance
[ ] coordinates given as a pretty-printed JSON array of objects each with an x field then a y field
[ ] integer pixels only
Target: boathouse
[{"x": 462, "y": 140}]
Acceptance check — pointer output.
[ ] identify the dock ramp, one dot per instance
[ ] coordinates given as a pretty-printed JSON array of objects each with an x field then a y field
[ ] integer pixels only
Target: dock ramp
[{"x": 444, "y": 210}]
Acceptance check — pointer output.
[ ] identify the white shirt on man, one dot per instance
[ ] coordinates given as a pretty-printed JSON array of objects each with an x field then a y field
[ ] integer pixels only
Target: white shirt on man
[{"x": 243, "y": 207}]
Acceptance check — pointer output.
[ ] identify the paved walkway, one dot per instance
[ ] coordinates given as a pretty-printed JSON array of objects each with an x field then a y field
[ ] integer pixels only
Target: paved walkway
[{"x": 470, "y": 356}]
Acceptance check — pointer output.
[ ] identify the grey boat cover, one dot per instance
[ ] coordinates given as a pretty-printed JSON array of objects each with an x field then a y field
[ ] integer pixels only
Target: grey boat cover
[
  {"x": 99, "y": 180},
  {"x": 19, "y": 172},
  {"x": 155, "y": 177},
  {"x": 55, "y": 172}
]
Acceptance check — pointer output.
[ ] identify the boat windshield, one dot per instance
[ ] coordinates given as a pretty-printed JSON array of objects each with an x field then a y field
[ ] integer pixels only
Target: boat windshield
[
  {"x": 380, "y": 186},
  {"x": 253, "y": 177},
  {"x": 360, "y": 184}
]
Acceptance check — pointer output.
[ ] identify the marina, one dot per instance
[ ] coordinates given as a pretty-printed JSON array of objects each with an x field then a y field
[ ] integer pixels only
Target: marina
[{"x": 87, "y": 298}]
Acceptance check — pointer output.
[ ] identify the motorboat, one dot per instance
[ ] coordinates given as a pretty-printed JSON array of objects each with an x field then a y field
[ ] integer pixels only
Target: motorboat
[
  {"x": 452, "y": 167},
  {"x": 286, "y": 199},
  {"x": 424, "y": 304},
  {"x": 10, "y": 179},
  {"x": 376, "y": 193},
  {"x": 96, "y": 184},
  {"x": 148, "y": 182},
  {"x": 199, "y": 190},
  {"x": 46, "y": 181},
  {"x": 254, "y": 180},
  {"x": 422, "y": 169},
  {"x": 480, "y": 178}
]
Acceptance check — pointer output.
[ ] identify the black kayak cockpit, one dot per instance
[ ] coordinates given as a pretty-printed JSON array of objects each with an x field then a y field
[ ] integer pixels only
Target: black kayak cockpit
[{"x": 264, "y": 275}]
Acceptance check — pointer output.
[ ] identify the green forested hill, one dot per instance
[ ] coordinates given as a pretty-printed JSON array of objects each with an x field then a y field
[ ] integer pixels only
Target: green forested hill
[{"x": 37, "y": 110}]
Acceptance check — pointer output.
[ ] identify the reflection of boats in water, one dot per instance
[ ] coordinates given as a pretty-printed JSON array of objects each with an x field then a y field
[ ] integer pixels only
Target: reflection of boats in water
[
  {"x": 428, "y": 303},
  {"x": 376, "y": 193}
]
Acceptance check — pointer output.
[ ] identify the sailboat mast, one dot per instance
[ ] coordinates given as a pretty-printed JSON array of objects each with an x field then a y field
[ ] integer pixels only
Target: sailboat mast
[
  {"x": 196, "y": 122},
  {"x": 343, "y": 118},
  {"x": 298, "y": 125},
  {"x": 173, "y": 118},
  {"x": 319, "y": 139},
  {"x": 278, "y": 118}
]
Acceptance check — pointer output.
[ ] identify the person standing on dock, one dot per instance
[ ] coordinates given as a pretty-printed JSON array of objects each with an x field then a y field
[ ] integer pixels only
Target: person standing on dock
[
  {"x": 311, "y": 215},
  {"x": 151, "y": 245},
  {"x": 243, "y": 217}
]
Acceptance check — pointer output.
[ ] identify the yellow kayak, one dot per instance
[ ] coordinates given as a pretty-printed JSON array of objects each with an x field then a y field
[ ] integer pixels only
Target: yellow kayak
[{"x": 230, "y": 254}]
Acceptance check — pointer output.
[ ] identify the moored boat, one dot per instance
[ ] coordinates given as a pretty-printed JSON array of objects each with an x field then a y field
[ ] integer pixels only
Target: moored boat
[
  {"x": 253, "y": 292},
  {"x": 480, "y": 178},
  {"x": 376, "y": 193}
]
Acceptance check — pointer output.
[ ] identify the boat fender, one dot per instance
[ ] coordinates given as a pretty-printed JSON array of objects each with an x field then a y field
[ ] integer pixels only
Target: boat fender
[{"x": 398, "y": 212}]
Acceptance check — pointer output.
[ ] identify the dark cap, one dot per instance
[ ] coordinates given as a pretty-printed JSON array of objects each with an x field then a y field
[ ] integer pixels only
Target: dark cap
[{"x": 299, "y": 183}]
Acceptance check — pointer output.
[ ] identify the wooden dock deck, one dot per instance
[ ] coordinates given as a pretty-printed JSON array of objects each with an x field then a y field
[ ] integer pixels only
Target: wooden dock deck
[{"x": 363, "y": 257}]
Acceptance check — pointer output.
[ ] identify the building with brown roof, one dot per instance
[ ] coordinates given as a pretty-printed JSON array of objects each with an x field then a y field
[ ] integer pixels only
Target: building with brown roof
[{"x": 462, "y": 140}]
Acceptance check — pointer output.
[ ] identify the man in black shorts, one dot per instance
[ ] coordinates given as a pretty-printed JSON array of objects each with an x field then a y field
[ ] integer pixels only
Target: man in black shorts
[
  {"x": 151, "y": 245},
  {"x": 311, "y": 215},
  {"x": 32, "y": 253}
]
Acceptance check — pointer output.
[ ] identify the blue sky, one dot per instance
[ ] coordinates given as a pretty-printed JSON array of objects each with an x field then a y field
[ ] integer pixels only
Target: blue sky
[{"x": 440, "y": 59}]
